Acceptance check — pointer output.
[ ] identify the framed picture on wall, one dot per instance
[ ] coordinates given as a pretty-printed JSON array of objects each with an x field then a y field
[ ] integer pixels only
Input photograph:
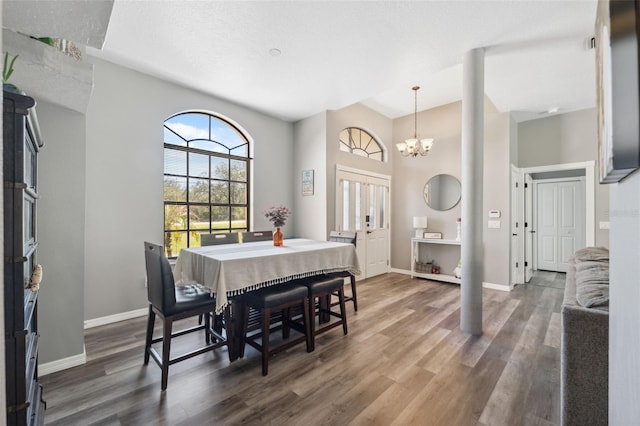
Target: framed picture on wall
[
  {"x": 307, "y": 182},
  {"x": 617, "y": 76}
]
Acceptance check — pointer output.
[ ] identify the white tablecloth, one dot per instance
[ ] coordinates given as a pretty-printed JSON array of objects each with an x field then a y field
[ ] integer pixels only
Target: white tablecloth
[{"x": 231, "y": 269}]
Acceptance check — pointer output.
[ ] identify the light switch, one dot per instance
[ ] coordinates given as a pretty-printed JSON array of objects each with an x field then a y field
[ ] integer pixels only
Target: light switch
[
  {"x": 604, "y": 225},
  {"x": 494, "y": 224}
]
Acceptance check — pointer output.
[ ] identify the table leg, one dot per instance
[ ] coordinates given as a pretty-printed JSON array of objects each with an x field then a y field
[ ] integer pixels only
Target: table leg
[{"x": 235, "y": 325}]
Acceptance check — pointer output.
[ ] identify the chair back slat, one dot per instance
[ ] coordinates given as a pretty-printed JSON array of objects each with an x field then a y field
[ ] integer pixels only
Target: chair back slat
[
  {"x": 222, "y": 238},
  {"x": 248, "y": 237},
  {"x": 161, "y": 290},
  {"x": 349, "y": 237}
]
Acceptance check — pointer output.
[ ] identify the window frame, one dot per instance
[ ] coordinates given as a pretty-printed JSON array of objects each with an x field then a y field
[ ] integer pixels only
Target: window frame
[
  {"x": 352, "y": 146},
  {"x": 191, "y": 233}
]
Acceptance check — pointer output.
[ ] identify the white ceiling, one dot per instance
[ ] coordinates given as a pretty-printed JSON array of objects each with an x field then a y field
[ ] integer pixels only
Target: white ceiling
[{"x": 336, "y": 53}]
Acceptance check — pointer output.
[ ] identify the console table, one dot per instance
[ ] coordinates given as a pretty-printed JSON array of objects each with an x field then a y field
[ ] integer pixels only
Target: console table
[{"x": 433, "y": 245}]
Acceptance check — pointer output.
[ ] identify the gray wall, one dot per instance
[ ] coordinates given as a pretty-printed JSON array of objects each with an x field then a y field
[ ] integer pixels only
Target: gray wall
[
  {"x": 124, "y": 164},
  {"x": 565, "y": 138},
  {"x": 411, "y": 174},
  {"x": 61, "y": 231},
  {"x": 624, "y": 314},
  {"x": 310, "y": 137}
]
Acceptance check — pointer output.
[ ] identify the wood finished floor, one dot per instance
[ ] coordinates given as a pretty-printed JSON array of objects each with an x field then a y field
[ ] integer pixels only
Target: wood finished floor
[{"x": 404, "y": 362}]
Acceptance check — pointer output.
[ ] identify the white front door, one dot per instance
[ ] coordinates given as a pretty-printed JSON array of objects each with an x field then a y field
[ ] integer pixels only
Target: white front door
[
  {"x": 362, "y": 205},
  {"x": 560, "y": 222}
]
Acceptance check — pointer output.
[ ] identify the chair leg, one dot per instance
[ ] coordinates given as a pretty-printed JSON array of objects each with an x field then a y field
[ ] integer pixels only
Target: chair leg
[
  {"x": 166, "y": 351},
  {"x": 311, "y": 309},
  {"x": 343, "y": 310},
  {"x": 266, "y": 316},
  {"x": 353, "y": 293},
  {"x": 228, "y": 328},
  {"x": 207, "y": 326},
  {"x": 150, "y": 324},
  {"x": 286, "y": 317},
  {"x": 307, "y": 324}
]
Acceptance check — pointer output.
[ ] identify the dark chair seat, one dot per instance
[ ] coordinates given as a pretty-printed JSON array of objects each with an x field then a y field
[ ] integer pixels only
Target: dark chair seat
[
  {"x": 281, "y": 297},
  {"x": 190, "y": 297},
  {"x": 269, "y": 297}
]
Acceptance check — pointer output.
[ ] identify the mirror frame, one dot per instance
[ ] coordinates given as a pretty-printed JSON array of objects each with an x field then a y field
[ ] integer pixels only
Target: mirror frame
[{"x": 425, "y": 195}]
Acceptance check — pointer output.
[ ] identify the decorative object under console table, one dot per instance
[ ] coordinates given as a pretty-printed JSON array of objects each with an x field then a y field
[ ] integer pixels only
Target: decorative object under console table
[{"x": 445, "y": 253}]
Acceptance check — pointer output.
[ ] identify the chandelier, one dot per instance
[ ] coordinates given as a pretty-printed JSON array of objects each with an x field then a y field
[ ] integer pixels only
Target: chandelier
[{"x": 413, "y": 147}]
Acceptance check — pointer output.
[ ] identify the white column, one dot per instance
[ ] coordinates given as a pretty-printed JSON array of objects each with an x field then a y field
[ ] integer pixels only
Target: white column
[{"x": 472, "y": 171}]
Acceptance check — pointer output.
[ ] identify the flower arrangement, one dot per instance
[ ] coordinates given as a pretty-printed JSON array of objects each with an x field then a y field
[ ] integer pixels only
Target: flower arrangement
[{"x": 277, "y": 215}]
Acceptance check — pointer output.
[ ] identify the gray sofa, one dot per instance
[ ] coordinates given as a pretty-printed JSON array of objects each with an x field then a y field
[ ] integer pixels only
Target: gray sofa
[{"x": 585, "y": 341}]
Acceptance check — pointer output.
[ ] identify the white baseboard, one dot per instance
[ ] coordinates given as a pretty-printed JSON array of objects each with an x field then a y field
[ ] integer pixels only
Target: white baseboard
[
  {"x": 491, "y": 286},
  {"x": 63, "y": 364},
  {"x": 500, "y": 287},
  {"x": 110, "y": 319}
]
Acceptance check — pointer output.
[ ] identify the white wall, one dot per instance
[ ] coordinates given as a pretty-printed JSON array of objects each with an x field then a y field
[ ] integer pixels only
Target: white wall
[
  {"x": 124, "y": 164},
  {"x": 624, "y": 314}
]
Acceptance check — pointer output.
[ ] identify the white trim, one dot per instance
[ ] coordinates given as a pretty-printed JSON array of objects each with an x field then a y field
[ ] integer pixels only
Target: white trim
[
  {"x": 500, "y": 287},
  {"x": 110, "y": 319},
  {"x": 590, "y": 192},
  {"x": 490, "y": 286},
  {"x": 63, "y": 364},
  {"x": 341, "y": 168}
]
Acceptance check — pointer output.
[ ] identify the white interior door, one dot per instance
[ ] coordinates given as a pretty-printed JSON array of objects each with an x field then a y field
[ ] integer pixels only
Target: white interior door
[
  {"x": 362, "y": 205},
  {"x": 560, "y": 222},
  {"x": 516, "y": 253}
]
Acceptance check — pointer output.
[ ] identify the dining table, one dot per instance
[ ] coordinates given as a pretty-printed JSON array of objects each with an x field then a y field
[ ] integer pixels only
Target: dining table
[{"x": 230, "y": 270}]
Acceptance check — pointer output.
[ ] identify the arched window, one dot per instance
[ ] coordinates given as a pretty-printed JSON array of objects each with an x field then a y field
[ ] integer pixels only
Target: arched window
[
  {"x": 206, "y": 179},
  {"x": 359, "y": 142}
]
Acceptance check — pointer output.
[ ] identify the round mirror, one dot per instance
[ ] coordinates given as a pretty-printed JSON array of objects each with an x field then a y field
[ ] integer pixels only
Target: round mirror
[{"x": 442, "y": 192}]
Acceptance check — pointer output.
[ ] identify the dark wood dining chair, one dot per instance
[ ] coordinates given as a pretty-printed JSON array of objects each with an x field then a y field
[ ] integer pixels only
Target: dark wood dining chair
[
  {"x": 321, "y": 288},
  {"x": 249, "y": 237},
  {"x": 220, "y": 238},
  {"x": 282, "y": 298},
  {"x": 349, "y": 237},
  {"x": 171, "y": 303},
  {"x": 214, "y": 240}
]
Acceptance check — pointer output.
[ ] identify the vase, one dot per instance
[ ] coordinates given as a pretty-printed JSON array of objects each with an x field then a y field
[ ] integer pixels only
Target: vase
[{"x": 278, "y": 237}]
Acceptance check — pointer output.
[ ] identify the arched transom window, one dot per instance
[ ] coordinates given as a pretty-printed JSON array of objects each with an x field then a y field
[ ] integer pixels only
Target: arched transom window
[
  {"x": 359, "y": 142},
  {"x": 206, "y": 179}
]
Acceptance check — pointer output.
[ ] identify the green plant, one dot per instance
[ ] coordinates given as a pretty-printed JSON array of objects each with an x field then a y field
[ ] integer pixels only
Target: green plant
[{"x": 7, "y": 70}]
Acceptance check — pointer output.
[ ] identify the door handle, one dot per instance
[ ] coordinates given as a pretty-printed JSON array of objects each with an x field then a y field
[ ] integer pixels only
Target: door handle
[
  {"x": 369, "y": 232},
  {"x": 533, "y": 232},
  {"x": 515, "y": 235}
]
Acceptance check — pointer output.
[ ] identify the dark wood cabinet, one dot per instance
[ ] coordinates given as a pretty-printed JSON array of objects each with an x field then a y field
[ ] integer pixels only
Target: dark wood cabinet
[{"x": 21, "y": 144}]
